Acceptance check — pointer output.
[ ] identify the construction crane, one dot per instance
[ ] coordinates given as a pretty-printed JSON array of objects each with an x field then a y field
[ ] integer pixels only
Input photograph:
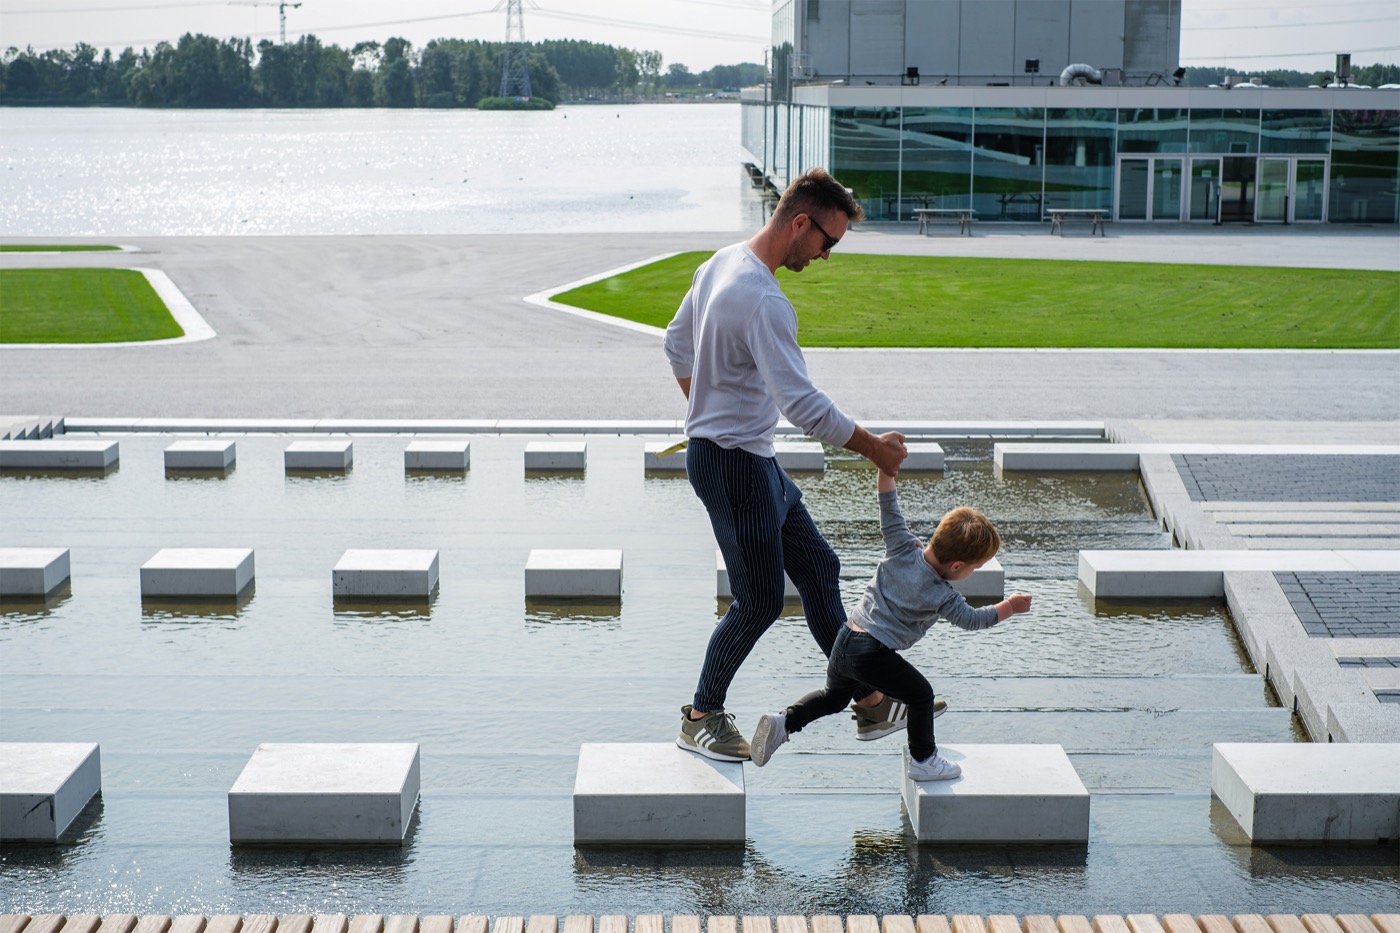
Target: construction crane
[{"x": 281, "y": 11}]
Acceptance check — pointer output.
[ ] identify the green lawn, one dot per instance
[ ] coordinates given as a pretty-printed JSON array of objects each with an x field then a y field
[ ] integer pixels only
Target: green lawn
[
  {"x": 913, "y": 301},
  {"x": 42, "y": 248},
  {"x": 81, "y": 306}
]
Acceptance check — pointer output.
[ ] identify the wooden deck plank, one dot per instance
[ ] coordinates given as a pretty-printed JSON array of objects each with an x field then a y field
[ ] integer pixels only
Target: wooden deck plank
[
  {"x": 751, "y": 924},
  {"x": 965, "y": 923},
  {"x": 45, "y": 923},
  {"x": 1110, "y": 923},
  {"x": 259, "y": 923},
  {"x": 1074, "y": 923},
  {"x": 118, "y": 923},
  {"x": 326, "y": 923},
  {"x": 1003, "y": 923},
  {"x": 827, "y": 923},
  {"x": 649, "y": 923},
  {"x": 13, "y": 923},
  {"x": 1386, "y": 923},
  {"x": 1356, "y": 923},
  {"x": 862, "y": 923},
  {"x": 896, "y": 923},
  {"x": 717, "y": 925},
  {"x": 583, "y": 923},
  {"x": 435, "y": 923},
  {"x": 1252, "y": 923},
  {"x": 292, "y": 923},
  {"x": 505, "y": 925},
  {"x": 230, "y": 923},
  {"x": 1144, "y": 923},
  {"x": 685, "y": 923},
  {"x": 1180, "y": 923},
  {"x": 1215, "y": 923},
  {"x": 934, "y": 923},
  {"x": 470, "y": 923},
  {"x": 612, "y": 923},
  {"x": 540, "y": 923},
  {"x": 787, "y": 923},
  {"x": 152, "y": 923},
  {"x": 1286, "y": 923},
  {"x": 87, "y": 923},
  {"x": 366, "y": 923},
  {"x": 188, "y": 923},
  {"x": 399, "y": 923},
  {"x": 1321, "y": 923},
  {"x": 1038, "y": 923}
]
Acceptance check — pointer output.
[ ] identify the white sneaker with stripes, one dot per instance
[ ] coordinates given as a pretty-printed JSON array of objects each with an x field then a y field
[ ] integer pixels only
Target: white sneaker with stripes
[{"x": 713, "y": 735}]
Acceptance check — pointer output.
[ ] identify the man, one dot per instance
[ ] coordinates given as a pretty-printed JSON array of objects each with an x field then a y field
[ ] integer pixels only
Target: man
[{"x": 733, "y": 349}]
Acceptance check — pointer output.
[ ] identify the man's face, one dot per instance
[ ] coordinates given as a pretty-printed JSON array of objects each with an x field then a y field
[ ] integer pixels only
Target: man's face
[{"x": 809, "y": 242}]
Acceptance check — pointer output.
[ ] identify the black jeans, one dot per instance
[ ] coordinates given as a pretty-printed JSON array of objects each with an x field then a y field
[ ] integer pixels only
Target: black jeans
[{"x": 858, "y": 658}]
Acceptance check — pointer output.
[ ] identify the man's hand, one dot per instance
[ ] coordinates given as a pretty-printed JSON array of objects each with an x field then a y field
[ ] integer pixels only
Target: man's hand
[{"x": 885, "y": 451}]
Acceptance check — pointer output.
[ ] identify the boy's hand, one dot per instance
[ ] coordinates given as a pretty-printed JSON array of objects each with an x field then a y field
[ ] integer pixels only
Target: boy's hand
[{"x": 1018, "y": 603}]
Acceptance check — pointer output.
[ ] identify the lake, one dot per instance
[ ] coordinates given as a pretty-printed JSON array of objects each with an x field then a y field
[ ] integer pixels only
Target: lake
[{"x": 581, "y": 169}]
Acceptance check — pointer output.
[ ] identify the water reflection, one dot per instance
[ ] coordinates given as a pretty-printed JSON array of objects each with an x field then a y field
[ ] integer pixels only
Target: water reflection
[
  {"x": 27, "y": 608},
  {"x": 188, "y": 474},
  {"x": 1333, "y": 861},
  {"x": 542, "y": 614},
  {"x": 358, "y": 610},
  {"x": 180, "y": 609}
]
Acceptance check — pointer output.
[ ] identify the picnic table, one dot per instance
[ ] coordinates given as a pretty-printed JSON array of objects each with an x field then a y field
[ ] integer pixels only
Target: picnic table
[
  {"x": 965, "y": 216},
  {"x": 1097, "y": 216}
]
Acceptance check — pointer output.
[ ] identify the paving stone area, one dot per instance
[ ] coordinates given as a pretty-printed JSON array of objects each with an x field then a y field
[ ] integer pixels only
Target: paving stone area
[
  {"x": 1371, "y": 662},
  {"x": 1290, "y": 477},
  {"x": 1340, "y": 605}
]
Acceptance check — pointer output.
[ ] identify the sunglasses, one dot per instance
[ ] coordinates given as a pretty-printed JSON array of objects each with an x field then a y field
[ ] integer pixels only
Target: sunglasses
[{"x": 828, "y": 241}]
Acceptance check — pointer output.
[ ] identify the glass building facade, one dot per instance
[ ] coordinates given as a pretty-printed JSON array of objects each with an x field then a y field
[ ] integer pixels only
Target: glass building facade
[{"x": 1252, "y": 163}]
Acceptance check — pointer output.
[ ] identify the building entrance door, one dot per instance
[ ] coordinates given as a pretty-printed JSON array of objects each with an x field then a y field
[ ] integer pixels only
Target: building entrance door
[
  {"x": 1205, "y": 190},
  {"x": 1149, "y": 188},
  {"x": 1291, "y": 190},
  {"x": 1238, "y": 177}
]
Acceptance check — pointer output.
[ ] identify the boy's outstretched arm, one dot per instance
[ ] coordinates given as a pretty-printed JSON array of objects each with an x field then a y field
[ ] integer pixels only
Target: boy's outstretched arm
[
  {"x": 1012, "y": 605},
  {"x": 885, "y": 483}
]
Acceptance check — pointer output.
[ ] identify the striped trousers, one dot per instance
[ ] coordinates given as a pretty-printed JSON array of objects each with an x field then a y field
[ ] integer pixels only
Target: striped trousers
[{"x": 763, "y": 529}]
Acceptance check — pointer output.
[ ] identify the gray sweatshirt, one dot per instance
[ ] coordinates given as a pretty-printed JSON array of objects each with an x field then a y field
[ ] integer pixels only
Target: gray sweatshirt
[
  {"x": 735, "y": 337},
  {"x": 906, "y": 595}
]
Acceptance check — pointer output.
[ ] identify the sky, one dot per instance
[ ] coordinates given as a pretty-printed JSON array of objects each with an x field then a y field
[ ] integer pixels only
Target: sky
[{"x": 1248, "y": 35}]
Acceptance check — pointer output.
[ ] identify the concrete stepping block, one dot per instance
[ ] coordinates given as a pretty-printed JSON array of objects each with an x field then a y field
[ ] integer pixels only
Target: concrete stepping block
[
  {"x": 224, "y": 572},
  {"x": 800, "y": 457},
  {"x": 986, "y": 582},
  {"x": 32, "y": 571},
  {"x": 923, "y": 458},
  {"x": 723, "y": 591},
  {"x": 385, "y": 574},
  {"x": 1308, "y": 792},
  {"x": 556, "y": 455},
  {"x": 58, "y": 455},
  {"x": 674, "y": 462},
  {"x": 44, "y": 786},
  {"x": 656, "y": 793},
  {"x": 1201, "y": 573},
  {"x": 201, "y": 455},
  {"x": 1006, "y": 794},
  {"x": 437, "y": 456},
  {"x": 574, "y": 573},
  {"x": 319, "y": 455},
  {"x": 325, "y": 793}
]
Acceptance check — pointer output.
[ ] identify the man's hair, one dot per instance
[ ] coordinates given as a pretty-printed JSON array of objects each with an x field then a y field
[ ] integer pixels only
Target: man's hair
[
  {"x": 967, "y": 535},
  {"x": 815, "y": 192}
]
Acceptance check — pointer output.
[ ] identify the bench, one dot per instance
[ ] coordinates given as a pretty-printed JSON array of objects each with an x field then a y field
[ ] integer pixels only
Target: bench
[
  {"x": 965, "y": 216},
  {"x": 1097, "y": 216}
]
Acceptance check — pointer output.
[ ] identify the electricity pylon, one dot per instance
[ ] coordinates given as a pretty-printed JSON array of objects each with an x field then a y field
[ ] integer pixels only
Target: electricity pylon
[
  {"x": 515, "y": 70},
  {"x": 281, "y": 11}
]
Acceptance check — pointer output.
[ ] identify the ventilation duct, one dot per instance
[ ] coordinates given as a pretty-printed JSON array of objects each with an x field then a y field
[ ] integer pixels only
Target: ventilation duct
[{"x": 1081, "y": 74}]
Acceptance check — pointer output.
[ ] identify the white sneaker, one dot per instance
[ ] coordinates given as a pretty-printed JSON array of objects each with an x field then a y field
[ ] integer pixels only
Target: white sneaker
[
  {"x": 770, "y": 733},
  {"x": 934, "y": 768}
]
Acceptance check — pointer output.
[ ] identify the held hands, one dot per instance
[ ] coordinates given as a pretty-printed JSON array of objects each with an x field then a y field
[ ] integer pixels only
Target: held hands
[{"x": 888, "y": 452}]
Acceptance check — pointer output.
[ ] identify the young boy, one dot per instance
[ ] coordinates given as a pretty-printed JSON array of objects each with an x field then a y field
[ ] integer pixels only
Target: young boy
[{"x": 909, "y": 592}]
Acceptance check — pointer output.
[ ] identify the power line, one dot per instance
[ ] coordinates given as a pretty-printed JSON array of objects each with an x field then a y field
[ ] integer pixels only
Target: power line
[
  {"x": 645, "y": 27},
  {"x": 1216, "y": 59},
  {"x": 114, "y": 9},
  {"x": 1335, "y": 22}
]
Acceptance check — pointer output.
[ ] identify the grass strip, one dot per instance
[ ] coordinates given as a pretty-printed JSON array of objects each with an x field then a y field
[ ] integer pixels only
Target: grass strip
[
  {"x": 41, "y": 248},
  {"x": 918, "y": 301},
  {"x": 81, "y": 306}
]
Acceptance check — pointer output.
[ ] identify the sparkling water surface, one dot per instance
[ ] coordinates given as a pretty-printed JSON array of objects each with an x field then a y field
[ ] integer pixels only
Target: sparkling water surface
[
  {"x": 112, "y": 172},
  {"x": 501, "y": 691}
]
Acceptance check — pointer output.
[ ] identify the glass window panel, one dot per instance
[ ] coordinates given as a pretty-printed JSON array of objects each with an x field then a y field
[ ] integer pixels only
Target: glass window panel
[
  {"x": 1308, "y": 186},
  {"x": 1152, "y": 129},
  {"x": 937, "y": 157},
  {"x": 1294, "y": 131},
  {"x": 1205, "y": 188},
  {"x": 865, "y": 156},
  {"x": 1007, "y": 162},
  {"x": 1132, "y": 189},
  {"x": 1079, "y": 158},
  {"x": 1365, "y": 167},
  {"x": 1166, "y": 189},
  {"x": 1227, "y": 132},
  {"x": 1271, "y": 204}
]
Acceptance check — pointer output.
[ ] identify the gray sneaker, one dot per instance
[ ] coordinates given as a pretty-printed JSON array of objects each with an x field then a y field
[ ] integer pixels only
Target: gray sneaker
[
  {"x": 886, "y": 718},
  {"x": 770, "y": 733},
  {"x": 933, "y": 768},
  {"x": 713, "y": 736}
]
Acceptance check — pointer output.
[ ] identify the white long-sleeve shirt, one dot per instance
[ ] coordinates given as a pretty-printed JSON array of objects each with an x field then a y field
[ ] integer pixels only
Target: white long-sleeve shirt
[{"x": 735, "y": 337}]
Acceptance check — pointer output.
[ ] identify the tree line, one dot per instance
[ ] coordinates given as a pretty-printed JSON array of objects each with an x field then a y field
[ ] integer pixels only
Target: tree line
[
  {"x": 1365, "y": 75},
  {"x": 202, "y": 71}
]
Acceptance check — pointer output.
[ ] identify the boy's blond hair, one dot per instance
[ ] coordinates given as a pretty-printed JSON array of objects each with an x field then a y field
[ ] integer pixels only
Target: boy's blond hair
[{"x": 965, "y": 534}]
